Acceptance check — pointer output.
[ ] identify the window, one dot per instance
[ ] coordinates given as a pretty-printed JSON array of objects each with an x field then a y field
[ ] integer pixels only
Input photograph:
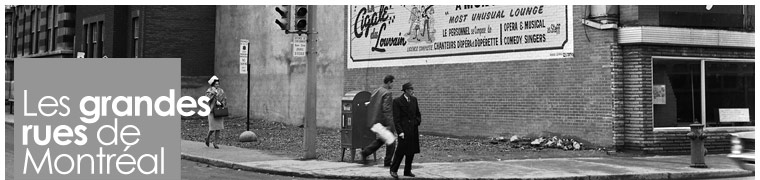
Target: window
[
  {"x": 9, "y": 37},
  {"x": 96, "y": 50},
  {"x": 24, "y": 45},
  {"x": 135, "y": 37},
  {"x": 51, "y": 28},
  {"x": 19, "y": 42},
  {"x": 34, "y": 32},
  {"x": 712, "y": 92},
  {"x": 93, "y": 38},
  {"x": 729, "y": 93},
  {"x": 87, "y": 39},
  {"x": 44, "y": 20},
  {"x": 136, "y": 49}
]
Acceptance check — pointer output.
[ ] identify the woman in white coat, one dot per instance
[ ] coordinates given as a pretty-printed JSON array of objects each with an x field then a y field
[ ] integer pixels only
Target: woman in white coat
[{"x": 216, "y": 98}]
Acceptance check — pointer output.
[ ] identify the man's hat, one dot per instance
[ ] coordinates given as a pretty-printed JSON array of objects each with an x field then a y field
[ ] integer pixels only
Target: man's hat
[{"x": 406, "y": 86}]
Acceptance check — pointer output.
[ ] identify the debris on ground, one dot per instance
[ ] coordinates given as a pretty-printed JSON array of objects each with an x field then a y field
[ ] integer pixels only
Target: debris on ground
[
  {"x": 539, "y": 142},
  {"x": 282, "y": 139}
]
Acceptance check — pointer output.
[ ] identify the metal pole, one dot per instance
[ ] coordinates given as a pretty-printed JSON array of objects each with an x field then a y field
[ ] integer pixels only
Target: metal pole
[
  {"x": 248, "y": 135},
  {"x": 248, "y": 92},
  {"x": 310, "y": 117}
]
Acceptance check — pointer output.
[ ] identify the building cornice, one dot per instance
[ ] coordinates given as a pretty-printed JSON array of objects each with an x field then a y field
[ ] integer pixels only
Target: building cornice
[{"x": 685, "y": 36}]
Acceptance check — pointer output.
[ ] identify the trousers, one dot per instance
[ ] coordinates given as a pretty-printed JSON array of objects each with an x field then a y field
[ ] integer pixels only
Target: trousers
[{"x": 372, "y": 147}]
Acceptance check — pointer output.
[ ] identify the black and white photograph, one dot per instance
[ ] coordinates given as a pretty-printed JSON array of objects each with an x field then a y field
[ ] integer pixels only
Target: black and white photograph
[{"x": 346, "y": 91}]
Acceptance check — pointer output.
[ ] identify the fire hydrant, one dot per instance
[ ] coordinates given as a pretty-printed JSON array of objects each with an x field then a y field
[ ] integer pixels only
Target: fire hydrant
[{"x": 698, "y": 150}]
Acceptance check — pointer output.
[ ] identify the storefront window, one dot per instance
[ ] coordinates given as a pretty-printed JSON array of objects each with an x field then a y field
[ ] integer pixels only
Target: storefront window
[
  {"x": 730, "y": 93},
  {"x": 677, "y": 93},
  {"x": 676, "y": 101}
]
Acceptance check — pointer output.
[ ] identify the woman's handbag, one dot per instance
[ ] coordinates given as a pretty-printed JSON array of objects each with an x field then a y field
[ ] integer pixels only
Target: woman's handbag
[{"x": 221, "y": 112}]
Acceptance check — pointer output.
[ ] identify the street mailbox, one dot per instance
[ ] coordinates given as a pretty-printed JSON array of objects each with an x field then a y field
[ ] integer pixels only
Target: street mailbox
[{"x": 354, "y": 132}]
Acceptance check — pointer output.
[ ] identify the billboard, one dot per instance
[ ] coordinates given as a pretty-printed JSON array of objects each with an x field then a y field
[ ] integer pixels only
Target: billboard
[{"x": 388, "y": 35}]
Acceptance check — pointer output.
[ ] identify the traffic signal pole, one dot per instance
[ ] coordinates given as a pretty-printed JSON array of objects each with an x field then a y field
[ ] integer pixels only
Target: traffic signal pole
[{"x": 310, "y": 117}]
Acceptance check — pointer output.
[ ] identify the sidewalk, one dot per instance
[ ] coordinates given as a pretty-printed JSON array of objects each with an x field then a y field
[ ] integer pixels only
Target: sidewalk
[{"x": 658, "y": 167}]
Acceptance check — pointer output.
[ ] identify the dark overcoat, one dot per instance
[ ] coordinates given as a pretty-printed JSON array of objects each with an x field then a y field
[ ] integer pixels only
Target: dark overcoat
[
  {"x": 407, "y": 119},
  {"x": 379, "y": 108}
]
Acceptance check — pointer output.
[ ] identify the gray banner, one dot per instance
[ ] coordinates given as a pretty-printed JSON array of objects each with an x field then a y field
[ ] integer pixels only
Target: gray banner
[{"x": 52, "y": 119}]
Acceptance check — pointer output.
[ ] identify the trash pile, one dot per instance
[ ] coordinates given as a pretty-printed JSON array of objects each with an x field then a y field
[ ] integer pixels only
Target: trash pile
[{"x": 539, "y": 143}]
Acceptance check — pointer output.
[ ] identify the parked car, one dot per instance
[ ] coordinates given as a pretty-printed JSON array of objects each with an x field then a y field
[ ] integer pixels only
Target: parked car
[{"x": 743, "y": 149}]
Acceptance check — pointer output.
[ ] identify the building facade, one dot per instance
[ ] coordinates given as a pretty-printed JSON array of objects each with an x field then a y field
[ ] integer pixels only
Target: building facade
[
  {"x": 632, "y": 77},
  {"x": 184, "y": 32},
  {"x": 89, "y": 31},
  {"x": 65, "y": 31},
  {"x": 36, "y": 31},
  {"x": 682, "y": 65},
  {"x": 278, "y": 79},
  {"x": 629, "y": 77}
]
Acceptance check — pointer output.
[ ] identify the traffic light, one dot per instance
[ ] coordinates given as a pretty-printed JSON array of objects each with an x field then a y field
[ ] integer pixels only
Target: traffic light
[
  {"x": 284, "y": 20},
  {"x": 300, "y": 16}
]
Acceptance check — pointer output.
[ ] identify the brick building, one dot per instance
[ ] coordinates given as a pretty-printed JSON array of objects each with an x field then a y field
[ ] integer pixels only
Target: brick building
[
  {"x": 36, "y": 31},
  {"x": 632, "y": 77},
  {"x": 62, "y": 31},
  {"x": 66, "y": 31},
  {"x": 185, "y": 32}
]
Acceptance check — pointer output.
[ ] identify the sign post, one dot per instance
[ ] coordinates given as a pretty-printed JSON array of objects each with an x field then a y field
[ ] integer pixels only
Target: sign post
[
  {"x": 299, "y": 46},
  {"x": 245, "y": 65},
  {"x": 244, "y": 56}
]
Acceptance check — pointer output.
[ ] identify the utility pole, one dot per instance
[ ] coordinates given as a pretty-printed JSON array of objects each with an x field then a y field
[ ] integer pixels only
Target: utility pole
[{"x": 310, "y": 116}]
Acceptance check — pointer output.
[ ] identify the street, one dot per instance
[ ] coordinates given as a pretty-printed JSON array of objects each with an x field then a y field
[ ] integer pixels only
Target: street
[
  {"x": 190, "y": 170},
  {"x": 195, "y": 170},
  {"x": 737, "y": 178}
]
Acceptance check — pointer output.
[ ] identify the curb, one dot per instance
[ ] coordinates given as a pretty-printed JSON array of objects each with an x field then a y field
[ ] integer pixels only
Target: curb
[
  {"x": 682, "y": 175},
  {"x": 236, "y": 166}
]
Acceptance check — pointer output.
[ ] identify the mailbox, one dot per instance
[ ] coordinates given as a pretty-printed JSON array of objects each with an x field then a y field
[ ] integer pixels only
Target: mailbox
[{"x": 354, "y": 131}]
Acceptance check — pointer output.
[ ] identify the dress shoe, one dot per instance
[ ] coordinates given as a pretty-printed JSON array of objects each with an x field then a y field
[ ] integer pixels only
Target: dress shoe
[
  {"x": 363, "y": 158},
  {"x": 394, "y": 175},
  {"x": 409, "y": 174},
  {"x": 206, "y": 142}
]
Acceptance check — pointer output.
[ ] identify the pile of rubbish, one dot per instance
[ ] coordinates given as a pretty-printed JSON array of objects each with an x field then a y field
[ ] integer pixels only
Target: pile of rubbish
[{"x": 539, "y": 143}]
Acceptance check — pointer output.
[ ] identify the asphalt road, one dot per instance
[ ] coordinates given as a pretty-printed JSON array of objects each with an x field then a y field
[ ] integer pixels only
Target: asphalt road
[
  {"x": 737, "y": 178},
  {"x": 190, "y": 170},
  {"x": 194, "y": 170}
]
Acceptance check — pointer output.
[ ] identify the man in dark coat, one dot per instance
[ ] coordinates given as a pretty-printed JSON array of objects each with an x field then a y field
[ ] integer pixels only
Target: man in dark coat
[
  {"x": 379, "y": 111},
  {"x": 406, "y": 117}
]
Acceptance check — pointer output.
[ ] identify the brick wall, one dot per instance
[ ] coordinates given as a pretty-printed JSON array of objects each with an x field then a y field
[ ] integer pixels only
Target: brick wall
[
  {"x": 185, "y": 32},
  {"x": 65, "y": 24},
  {"x": 89, "y": 12},
  {"x": 616, "y": 88},
  {"x": 564, "y": 97},
  {"x": 637, "y": 99},
  {"x": 675, "y": 142},
  {"x": 20, "y": 41}
]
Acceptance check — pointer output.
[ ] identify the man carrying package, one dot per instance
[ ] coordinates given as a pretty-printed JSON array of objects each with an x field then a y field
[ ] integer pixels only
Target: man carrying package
[{"x": 380, "y": 118}]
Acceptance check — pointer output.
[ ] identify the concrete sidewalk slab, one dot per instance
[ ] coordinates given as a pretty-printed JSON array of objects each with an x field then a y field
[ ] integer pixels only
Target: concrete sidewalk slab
[
  {"x": 658, "y": 167},
  {"x": 227, "y": 153}
]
